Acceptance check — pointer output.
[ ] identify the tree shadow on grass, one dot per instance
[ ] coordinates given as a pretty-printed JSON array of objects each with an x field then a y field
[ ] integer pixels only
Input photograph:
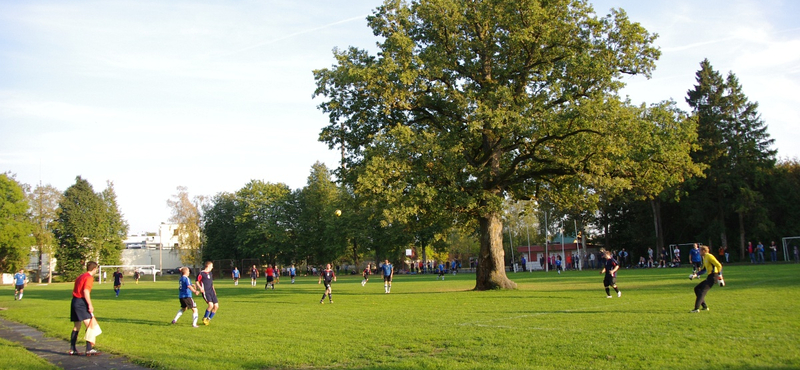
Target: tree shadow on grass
[{"x": 102, "y": 320}]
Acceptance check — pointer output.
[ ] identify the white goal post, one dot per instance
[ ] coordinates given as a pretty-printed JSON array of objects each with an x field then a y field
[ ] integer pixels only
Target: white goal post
[
  {"x": 787, "y": 252},
  {"x": 152, "y": 268}
]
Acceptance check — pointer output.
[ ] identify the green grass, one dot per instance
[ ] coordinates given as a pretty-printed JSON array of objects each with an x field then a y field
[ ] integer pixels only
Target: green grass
[
  {"x": 14, "y": 356},
  {"x": 551, "y": 321}
]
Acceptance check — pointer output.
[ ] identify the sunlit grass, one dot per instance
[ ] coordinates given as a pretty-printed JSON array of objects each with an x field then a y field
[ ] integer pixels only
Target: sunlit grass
[{"x": 551, "y": 321}]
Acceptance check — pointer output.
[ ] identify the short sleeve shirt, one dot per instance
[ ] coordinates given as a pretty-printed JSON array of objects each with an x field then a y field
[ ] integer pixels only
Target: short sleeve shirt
[
  {"x": 183, "y": 287},
  {"x": 610, "y": 265},
  {"x": 19, "y": 278},
  {"x": 387, "y": 269},
  {"x": 83, "y": 282}
]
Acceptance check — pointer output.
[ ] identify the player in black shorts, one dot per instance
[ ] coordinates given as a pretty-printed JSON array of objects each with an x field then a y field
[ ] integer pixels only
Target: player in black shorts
[
  {"x": 610, "y": 280},
  {"x": 117, "y": 280},
  {"x": 328, "y": 275},
  {"x": 206, "y": 286},
  {"x": 365, "y": 274}
]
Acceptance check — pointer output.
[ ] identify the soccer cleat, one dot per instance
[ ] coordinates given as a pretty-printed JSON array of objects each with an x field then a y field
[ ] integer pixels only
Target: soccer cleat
[
  {"x": 331, "y": 301},
  {"x": 705, "y": 308},
  {"x": 195, "y": 326},
  {"x": 619, "y": 294},
  {"x": 694, "y": 311},
  {"x": 206, "y": 321},
  {"x": 74, "y": 352},
  {"x": 92, "y": 352},
  {"x": 173, "y": 322},
  {"x": 321, "y": 301},
  {"x": 608, "y": 297}
]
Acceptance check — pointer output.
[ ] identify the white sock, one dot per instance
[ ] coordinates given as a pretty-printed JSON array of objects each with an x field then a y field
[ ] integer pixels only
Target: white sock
[
  {"x": 178, "y": 316},
  {"x": 194, "y": 318},
  {"x": 20, "y": 296}
]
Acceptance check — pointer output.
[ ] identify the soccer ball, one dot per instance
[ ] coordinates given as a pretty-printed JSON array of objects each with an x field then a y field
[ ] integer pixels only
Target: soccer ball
[
  {"x": 692, "y": 276},
  {"x": 338, "y": 212}
]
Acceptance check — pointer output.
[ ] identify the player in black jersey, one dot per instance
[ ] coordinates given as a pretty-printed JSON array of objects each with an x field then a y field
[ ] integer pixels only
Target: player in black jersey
[
  {"x": 206, "y": 287},
  {"x": 365, "y": 274},
  {"x": 610, "y": 280},
  {"x": 327, "y": 275}
]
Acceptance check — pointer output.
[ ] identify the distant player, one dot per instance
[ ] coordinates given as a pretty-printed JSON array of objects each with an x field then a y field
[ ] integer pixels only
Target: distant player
[
  {"x": 20, "y": 279},
  {"x": 610, "y": 270},
  {"x": 81, "y": 309},
  {"x": 185, "y": 290},
  {"x": 714, "y": 269},
  {"x": 254, "y": 276},
  {"x": 136, "y": 276},
  {"x": 206, "y": 286},
  {"x": 695, "y": 258},
  {"x": 117, "y": 275},
  {"x": 388, "y": 273},
  {"x": 270, "y": 273},
  {"x": 235, "y": 275},
  {"x": 292, "y": 273},
  {"x": 327, "y": 276},
  {"x": 558, "y": 264},
  {"x": 441, "y": 271},
  {"x": 365, "y": 274}
]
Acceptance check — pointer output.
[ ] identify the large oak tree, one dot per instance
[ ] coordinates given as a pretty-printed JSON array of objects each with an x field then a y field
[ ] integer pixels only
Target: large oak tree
[{"x": 468, "y": 102}]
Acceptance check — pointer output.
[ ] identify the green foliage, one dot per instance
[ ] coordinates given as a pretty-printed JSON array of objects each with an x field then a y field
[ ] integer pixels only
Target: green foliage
[
  {"x": 262, "y": 229},
  {"x": 219, "y": 228},
  {"x": 15, "y": 226},
  {"x": 114, "y": 228},
  {"x": 317, "y": 236},
  {"x": 44, "y": 200},
  {"x": 467, "y": 102},
  {"x": 79, "y": 228}
]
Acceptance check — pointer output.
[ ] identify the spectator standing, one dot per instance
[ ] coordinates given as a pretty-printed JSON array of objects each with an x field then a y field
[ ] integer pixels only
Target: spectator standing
[
  {"x": 773, "y": 252},
  {"x": 760, "y": 253}
]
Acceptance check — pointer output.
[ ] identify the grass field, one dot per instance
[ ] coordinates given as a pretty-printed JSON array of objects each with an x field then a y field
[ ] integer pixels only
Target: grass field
[{"x": 551, "y": 321}]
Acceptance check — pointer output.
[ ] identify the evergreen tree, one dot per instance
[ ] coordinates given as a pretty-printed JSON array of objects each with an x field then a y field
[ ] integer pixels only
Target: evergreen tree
[
  {"x": 79, "y": 228},
  {"x": 114, "y": 228},
  {"x": 735, "y": 146}
]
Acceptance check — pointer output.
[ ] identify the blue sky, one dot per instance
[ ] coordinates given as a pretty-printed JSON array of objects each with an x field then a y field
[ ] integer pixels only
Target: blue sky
[{"x": 208, "y": 94}]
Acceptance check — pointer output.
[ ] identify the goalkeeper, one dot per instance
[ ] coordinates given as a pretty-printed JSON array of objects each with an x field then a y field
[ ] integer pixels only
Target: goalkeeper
[{"x": 714, "y": 269}]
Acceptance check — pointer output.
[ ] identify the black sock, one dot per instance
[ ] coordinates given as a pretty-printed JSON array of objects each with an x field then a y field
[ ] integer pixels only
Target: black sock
[
  {"x": 329, "y": 297},
  {"x": 323, "y": 297},
  {"x": 73, "y": 340},
  {"x": 88, "y": 346},
  {"x": 616, "y": 290},
  {"x": 608, "y": 291}
]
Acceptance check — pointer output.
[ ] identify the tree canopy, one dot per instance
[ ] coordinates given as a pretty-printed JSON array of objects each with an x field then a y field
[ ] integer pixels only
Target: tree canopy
[
  {"x": 15, "y": 226},
  {"x": 468, "y": 102}
]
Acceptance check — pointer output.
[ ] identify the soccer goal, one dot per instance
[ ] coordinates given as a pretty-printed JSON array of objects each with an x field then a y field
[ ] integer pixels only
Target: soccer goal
[
  {"x": 787, "y": 251},
  {"x": 127, "y": 270}
]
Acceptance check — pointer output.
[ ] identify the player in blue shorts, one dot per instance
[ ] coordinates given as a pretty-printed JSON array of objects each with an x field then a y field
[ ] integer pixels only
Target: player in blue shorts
[
  {"x": 327, "y": 275},
  {"x": 388, "y": 273},
  {"x": 117, "y": 275},
  {"x": 292, "y": 273},
  {"x": 19, "y": 284},
  {"x": 206, "y": 287},
  {"x": 185, "y": 290}
]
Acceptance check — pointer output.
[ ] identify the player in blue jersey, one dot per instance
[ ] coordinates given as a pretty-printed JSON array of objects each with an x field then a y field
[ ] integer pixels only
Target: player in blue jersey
[
  {"x": 610, "y": 270},
  {"x": 185, "y": 290},
  {"x": 695, "y": 258},
  {"x": 327, "y": 275},
  {"x": 206, "y": 287},
  {"x": 441, "y": 271},
  {"x": 292, "y": 273},
  {"x": 117, "y": 275},
  {"x": 388, "y": 273},
  {"x": 235, "y": 275},
  {"x": 19, "y": 284}
]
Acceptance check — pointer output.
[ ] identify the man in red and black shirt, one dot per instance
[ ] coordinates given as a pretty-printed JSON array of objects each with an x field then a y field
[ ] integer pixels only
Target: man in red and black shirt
[{"x": 81, "y": 308}]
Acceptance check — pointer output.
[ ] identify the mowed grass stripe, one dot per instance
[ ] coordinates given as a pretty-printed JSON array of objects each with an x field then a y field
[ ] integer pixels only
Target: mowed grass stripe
[{"x": 551, "y": 321}]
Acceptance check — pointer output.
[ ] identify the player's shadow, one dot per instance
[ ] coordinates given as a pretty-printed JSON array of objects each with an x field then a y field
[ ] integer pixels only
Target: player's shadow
[{"x": 101, "y": 320}]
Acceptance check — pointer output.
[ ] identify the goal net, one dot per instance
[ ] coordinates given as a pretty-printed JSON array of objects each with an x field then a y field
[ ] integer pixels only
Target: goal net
[
  {"x": 127, "y": 271},
  {"x": 789, "y": 243}
]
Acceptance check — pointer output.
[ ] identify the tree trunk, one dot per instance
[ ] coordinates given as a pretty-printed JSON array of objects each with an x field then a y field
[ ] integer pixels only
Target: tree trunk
[
  {"x": 656, "y": 205},
  {"x": 741, "y": 235},
  {"x": 40, "y": 265},
  {"x": 491, "y": 272}
]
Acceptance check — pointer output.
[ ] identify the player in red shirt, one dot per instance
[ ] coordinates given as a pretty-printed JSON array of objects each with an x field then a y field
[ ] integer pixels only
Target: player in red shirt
[
  {"x": 270, "y": 273},
  {"x": 81, "y": 309}
]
